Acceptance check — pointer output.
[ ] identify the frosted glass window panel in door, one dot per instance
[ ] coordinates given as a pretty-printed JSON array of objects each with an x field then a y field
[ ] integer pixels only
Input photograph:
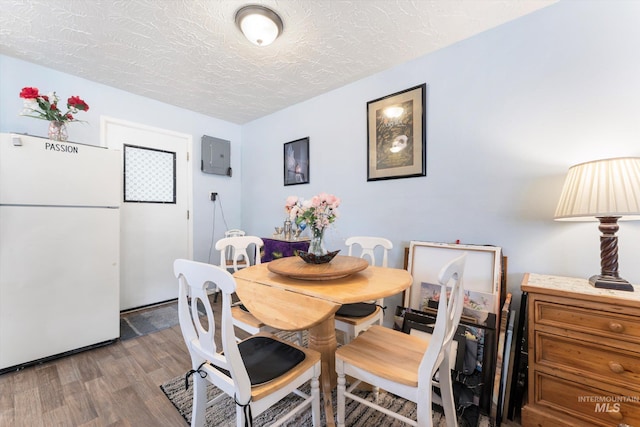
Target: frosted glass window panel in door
[{"x": 149, "y": 175}]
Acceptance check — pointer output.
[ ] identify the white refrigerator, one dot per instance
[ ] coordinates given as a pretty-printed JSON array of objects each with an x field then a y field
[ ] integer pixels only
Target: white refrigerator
[{"x": 59, "y": 248}]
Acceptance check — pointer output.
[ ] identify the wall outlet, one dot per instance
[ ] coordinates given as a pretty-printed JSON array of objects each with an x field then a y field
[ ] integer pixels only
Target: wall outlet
[{"x": 213, "y": 196}]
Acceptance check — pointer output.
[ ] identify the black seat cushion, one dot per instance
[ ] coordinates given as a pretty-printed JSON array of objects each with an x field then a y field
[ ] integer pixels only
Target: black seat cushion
[
  {"x": 266, "y": 358},
  {"x": 358, "y": 309}
]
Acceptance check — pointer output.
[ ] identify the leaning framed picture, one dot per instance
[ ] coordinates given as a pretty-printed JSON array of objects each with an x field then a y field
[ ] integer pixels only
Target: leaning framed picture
[
  {"x": 396, "y": 135},
  {"x": 296, "y": 162},
  {"x": 482, "y": 276}
]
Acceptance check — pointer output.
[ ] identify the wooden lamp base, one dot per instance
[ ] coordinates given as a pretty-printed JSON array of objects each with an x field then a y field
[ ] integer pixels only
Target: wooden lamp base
[
  {"x": 609, "y": 278},
  {"x": 609, "y": 282}
]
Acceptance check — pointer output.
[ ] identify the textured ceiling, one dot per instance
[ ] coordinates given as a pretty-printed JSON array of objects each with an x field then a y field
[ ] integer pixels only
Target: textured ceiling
[{"x": 189, "y": 53}]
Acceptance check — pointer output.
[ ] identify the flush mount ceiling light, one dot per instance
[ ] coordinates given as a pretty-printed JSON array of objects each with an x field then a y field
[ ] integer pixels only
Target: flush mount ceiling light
[{"x": 259, "y": 24}]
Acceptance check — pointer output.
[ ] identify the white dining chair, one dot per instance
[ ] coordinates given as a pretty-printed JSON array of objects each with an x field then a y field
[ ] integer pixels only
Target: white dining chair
[
  {"x": 257, "y": 372},
  {"x": 234, "y": 232},
  {"x": 234, "y": 253},
  {"x": 352, "y": 319},
  {"x": 406, "y": 365},
  {"x": 246, "y": 248},
  {"x": 236, "y": 247}
]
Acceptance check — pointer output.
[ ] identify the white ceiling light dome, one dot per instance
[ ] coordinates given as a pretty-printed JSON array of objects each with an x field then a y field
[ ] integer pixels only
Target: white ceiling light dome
[{"x": 259, "y": 24}]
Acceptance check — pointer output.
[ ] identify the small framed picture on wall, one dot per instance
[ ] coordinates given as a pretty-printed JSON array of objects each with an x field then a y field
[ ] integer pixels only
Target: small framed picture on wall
[
  {"x": 396, "y": 135},
  {"x": 296, "y": 162}
]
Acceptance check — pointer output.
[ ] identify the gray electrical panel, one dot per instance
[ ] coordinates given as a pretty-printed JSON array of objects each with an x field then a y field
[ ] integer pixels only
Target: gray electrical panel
[{"x": 216, "y": 156}]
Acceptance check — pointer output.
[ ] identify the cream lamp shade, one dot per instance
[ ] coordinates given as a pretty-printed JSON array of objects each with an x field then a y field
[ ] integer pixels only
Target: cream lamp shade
[
  {"x": 609, "y": 187},
  {"x": 608, "y": 190},
  {"x": 259, "y": 24}
]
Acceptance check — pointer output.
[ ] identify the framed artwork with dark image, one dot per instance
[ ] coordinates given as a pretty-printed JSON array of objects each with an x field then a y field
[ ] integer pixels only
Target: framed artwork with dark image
[
  {"x": 396, "y": 135},
  {"x": 296, "y": 162}
]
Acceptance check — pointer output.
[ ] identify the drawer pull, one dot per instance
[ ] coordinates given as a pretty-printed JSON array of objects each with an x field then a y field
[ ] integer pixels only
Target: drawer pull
[
  {"x": 616, "y": 415},
  {"x": 616, "y": 368},
  {"x": 616, "y": 327}
]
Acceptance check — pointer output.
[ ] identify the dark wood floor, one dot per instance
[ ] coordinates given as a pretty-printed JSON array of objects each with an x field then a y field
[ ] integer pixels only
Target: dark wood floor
[{"x": 115, "y": 385}]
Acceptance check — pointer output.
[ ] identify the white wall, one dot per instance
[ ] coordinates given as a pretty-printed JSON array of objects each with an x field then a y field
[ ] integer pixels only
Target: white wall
[
  {"x": 107, "y": 101},
  {"x": 508, "y": 112}
]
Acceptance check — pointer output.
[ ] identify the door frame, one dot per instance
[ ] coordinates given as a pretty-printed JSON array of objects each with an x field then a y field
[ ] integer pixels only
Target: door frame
[{"x": 106, "y": 120}]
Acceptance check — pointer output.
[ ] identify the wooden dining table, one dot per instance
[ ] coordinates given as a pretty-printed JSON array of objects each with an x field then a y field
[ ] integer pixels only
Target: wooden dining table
[{"x": 291, "y": 300}]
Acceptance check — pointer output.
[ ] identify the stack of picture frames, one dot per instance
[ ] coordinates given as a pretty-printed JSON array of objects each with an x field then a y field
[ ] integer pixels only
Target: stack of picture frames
[{"x": 481, "y": 339}]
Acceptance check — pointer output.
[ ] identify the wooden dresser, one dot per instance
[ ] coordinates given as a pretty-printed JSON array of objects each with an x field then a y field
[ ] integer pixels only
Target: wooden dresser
[{"x": 584, "y": 354}]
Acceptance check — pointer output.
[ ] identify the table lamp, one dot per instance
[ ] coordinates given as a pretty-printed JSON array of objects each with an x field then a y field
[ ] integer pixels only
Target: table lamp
[{"x": 608, "y": 190}]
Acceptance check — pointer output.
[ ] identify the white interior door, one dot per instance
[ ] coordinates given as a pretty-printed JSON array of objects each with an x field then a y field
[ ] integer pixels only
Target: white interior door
[{"x": 155, "y": 212}]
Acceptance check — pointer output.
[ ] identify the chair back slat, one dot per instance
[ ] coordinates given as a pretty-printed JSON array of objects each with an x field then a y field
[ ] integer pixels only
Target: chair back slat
[
  {"x": 194, "y": 278},
  {"x": 368, "y": 247},
  {"x": 448, "y": 316}
]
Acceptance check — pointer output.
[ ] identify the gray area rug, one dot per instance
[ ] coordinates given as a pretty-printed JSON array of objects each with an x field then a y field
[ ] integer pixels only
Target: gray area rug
[
  {"x": 357, "y": 415},
  {"x": 223, "y": 413}
]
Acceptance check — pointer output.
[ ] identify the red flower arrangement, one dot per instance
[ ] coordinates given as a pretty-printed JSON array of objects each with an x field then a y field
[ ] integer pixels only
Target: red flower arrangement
[{"x": 45, "y": 107}]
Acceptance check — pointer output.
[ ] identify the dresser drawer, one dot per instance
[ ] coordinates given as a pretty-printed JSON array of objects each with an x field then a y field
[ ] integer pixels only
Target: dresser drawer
[
  {"x": 589, "y": 360},
  {"x": 590, "y": 321},
  {"x": 591, "y": 405}
]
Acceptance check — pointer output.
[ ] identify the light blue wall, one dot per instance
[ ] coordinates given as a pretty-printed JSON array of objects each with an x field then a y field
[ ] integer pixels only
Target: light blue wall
[
  {"x": 508, "y": 112},
  {"x": 107, "y": 101}
]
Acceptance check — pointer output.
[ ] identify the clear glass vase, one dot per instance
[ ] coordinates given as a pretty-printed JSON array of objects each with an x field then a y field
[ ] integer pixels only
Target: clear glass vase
[
  {"x": 316, "y": 246},
  {"x": 57, "y": 131}
]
